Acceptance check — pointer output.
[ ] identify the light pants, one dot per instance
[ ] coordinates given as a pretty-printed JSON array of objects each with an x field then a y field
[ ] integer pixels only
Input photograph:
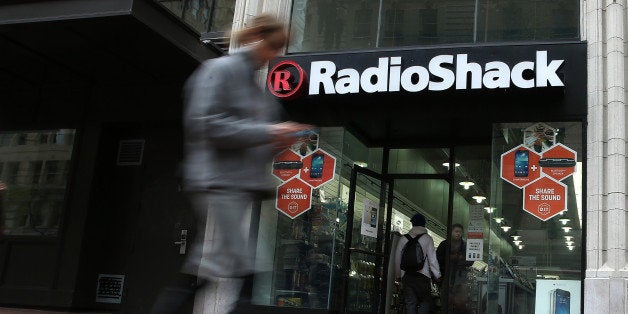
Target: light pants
[{"x": 223, "y": 249}]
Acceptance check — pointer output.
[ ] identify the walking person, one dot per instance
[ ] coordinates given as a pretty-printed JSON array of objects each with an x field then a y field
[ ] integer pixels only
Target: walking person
[
  {"x": 231, "y": 135},
  {"x": 416, "y": 274},
  {"x": 457, "y": 270}
]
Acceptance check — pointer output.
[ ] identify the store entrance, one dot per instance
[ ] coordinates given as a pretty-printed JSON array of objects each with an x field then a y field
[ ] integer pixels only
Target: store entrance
[{"x": 380, "y": 207}]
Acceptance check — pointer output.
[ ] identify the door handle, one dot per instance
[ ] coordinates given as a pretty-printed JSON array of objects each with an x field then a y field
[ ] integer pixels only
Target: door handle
[{"x": 183, "y": 242}]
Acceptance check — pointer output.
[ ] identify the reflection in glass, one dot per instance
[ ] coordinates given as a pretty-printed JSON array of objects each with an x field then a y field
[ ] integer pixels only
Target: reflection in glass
[
  {"x": 325, "y": 25},
  {"x": 34, "y": 168},
  {"x": 203, "y": 15}
]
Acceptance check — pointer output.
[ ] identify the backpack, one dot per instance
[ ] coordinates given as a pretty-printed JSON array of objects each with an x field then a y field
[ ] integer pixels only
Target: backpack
[{"x": 412, "y": 257}]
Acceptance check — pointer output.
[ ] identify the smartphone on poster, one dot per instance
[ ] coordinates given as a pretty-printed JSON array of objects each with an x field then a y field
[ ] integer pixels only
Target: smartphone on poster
[
  {"x": 521, "y": 163},
  {"x": 561, "y": 301},
  {"x": 373, "y": 217},
  {"x": 316, "y": 168}
]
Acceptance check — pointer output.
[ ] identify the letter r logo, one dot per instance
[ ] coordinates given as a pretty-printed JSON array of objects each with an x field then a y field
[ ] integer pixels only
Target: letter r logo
[
  {"x": 286, "y": 80},
  {"x": 280, "y": 80}
]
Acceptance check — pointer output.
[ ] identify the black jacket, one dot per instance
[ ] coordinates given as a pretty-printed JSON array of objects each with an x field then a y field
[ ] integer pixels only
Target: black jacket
[{"x": 441, "y": 255}]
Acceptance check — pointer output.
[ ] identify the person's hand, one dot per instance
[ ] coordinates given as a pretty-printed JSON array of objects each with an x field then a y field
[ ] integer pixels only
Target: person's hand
[{"x": 283, "y": 133}]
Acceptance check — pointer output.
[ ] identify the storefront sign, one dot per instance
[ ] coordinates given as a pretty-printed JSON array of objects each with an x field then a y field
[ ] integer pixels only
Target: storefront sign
[
  {"x": 294, "y": 198},
  {"x": 545, "y": 198},
  {"x": 416, "y": 71},
  {"x": 369, "y": 219},
  {"x": 389, "y": 76}
]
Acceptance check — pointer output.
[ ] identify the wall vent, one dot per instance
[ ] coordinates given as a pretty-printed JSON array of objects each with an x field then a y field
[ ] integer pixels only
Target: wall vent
[
  {"x": 109, "y": 289},
  {"x": 130, "y": 153}
]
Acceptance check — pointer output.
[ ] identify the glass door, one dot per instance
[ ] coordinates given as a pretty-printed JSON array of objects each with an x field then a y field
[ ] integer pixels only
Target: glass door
[
  {"x": 367, "y": 229},
  {"x": 429, "y": 197}
]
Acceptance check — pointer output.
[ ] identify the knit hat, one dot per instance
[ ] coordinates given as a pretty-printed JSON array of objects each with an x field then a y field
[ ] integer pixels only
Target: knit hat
[{"x": 418, "y": 220}]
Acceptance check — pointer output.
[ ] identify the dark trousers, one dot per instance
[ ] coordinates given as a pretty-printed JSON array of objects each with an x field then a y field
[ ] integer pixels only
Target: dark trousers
[{"x": 416, "y": 293}]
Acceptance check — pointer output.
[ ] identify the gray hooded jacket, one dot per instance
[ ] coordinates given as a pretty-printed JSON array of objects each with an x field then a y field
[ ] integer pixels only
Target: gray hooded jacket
[{"x": 226, "y": 120}]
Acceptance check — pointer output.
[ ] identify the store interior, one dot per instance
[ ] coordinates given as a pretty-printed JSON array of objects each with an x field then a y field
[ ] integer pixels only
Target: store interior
[{"x": 305, "y": 255}]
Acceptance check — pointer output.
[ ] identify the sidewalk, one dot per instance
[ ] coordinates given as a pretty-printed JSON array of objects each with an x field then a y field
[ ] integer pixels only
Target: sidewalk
[{"x": 6, "y": 310}]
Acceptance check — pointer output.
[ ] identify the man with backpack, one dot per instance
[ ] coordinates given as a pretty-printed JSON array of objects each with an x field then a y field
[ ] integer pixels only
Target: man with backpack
[{"x": 416, "y": 263}]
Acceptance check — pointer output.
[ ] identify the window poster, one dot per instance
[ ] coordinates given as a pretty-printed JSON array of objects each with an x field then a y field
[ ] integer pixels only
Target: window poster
[
  {"x": 369, "y": 219},
  {"x": 557, "y": 297}
]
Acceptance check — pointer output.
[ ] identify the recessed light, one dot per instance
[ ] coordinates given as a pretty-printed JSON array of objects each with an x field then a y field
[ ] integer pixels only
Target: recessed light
[{"x": 478, "y": 198}]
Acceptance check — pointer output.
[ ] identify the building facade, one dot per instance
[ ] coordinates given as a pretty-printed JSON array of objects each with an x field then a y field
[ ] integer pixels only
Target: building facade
[{"x": 507, "y": 117}]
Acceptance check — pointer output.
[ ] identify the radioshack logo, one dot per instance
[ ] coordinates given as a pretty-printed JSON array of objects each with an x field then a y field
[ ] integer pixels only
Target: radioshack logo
[
  {"x": 391, "y": 74},
  {"x": 286, "y": 80}
]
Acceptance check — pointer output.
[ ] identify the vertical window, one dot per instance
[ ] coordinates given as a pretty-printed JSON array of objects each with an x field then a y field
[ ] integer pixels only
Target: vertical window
[
  {"x": 35, "y": 170},
  {"x": 52, "y": 171},
  {"x": 535, "y": 223},
  {"x": 33, "y": 181}
]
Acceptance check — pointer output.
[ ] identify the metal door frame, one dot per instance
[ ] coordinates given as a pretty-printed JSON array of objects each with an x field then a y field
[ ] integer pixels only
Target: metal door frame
[{"x": 385, "y": 202}]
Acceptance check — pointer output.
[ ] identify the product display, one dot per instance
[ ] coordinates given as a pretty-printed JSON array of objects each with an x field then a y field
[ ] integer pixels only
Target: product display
[{"x": 303, "y": 262}]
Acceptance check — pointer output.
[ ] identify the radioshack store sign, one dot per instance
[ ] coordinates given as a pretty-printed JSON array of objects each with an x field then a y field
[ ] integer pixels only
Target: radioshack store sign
[{"x": 422, "y": 71}]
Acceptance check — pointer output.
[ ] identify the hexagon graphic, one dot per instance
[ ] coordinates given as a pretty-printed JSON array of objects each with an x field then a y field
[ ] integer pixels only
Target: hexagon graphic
[
  {"x": 294, "y": 198},
  {"x": 318, "y": 168},
  {"x": 558, "y": 162},
  {"x": 286, "y": 165},
  {"x": 520, "y": 166},
  {"x": 545, "y": 198}
]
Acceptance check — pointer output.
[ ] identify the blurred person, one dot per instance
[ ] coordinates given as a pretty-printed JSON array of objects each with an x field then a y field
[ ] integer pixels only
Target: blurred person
[
  {"x": 416, "y": 285},
  {"x": 231, "y": 136},
  {"x": 458, "y": 267}
]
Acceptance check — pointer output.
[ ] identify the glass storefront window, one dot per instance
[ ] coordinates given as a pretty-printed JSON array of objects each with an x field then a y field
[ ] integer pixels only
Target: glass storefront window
[
  {"x": 34, "y": 169},
  {"x": 325, "y": 25},
  {"x": 203, "y": 15},
  {"x": 304, "y": 255},
  {"x": 535, "y": 253}
]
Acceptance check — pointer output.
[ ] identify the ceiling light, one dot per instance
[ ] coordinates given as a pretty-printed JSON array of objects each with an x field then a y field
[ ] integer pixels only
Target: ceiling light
[
  {"x": 569, "y": 242},
  {"x": 521, "y": 247},
  {"x": 479, "y": 198},
  {"x": 446, "y": 164},
  {"x": 516, "y": 237},
  {"x": 360, "y": 164},
  {"x": 506, "y": 228},
  {"x": 567, "y": 229},
  {"x": 517, "y": 242},
  {"x": 466, "y": 184},
  {"x": 564, "y": 221},
  {"x": 489, "y": 209},
  {"x": 570, "y": 247},
  {"x": 499, "y": 220},
  {"x": 568, "y": 238}
]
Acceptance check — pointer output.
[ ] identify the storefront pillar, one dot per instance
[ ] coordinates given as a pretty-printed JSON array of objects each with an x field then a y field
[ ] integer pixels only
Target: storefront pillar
[{"x": 606, "y": 282}]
